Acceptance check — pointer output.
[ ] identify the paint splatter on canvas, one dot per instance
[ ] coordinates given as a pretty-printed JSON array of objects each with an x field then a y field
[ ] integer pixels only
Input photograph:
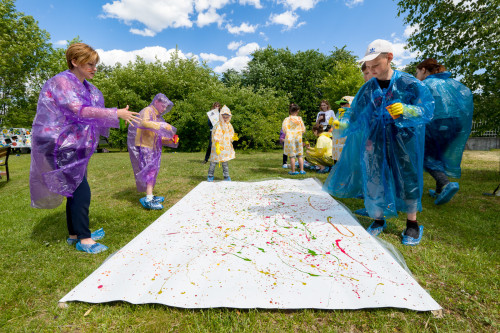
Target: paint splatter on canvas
[{"x": 270, "y": 244}]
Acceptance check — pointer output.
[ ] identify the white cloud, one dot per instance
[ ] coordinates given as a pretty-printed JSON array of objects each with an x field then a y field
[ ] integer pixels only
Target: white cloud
[
  {"x": 402, "y": 55},
  {"x": 209, "y": 17},
  {"x": 201, "y": 5},
  {"x": 61, "y": 42},
  {"x": 410, "y": 29},
  {"x": 243, "y": 28},
  {"x": 299, "y": 4},
  {"x": 209, "y": 57},
  {"x": 352, "y": 3},
  {"x": 145, "y": 32},
  {"x": 156, "y": 15},
  {"x": 247, "y": 49},
  {"x": 149, "y": 54},
  {"x": 255, "y": 3},
  {"x": 288, "y": 19},
  {"x": 234, "y": 45},
  {"x": 264, "y": 36},
  {"x": 236, "y": 63}
]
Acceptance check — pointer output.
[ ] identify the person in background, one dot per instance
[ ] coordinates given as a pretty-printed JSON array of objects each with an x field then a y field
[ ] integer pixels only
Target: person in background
[
  {"x": 222, "y": 149},
  {"x": 447, "y": 133},
  {"x": 69, "y": 119},
  {"x": 366, "y": 73},
  {"x": 321, "y": 155},
  {"x": 213, "y": 116},
  {"x": 294, "y": 128},
  {"x": 338, "y": 143},
  {"x": 325, "y": 115},
  {"x": 145, "y": 144},
  {"x": 384, "y": 163},
  {"x": 282, "y": 142}
]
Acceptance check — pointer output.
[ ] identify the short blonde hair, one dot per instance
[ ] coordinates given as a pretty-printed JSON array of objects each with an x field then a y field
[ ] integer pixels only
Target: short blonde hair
[{"x": 81, "y": 53}]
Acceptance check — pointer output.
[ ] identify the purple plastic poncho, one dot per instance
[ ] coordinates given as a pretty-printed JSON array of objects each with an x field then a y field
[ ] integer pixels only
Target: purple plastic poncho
[
  {"x": 69, "y": 119},
  {"x": 382, "y": 159},
  {"x": 145, "y": 141}
]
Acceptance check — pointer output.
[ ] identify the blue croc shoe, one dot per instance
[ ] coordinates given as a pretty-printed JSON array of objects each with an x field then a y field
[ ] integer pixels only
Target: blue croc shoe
[
  {"x": 447, "y": 193},
  {"x": 151, "y": 204},
  {"x": 302, "y": 172},
  {"x": 376, "y": 230},
  {"x": 158, "y": 199},
  {"x": 407, "y": 240},
  {"x": 361, "y": 212},
  {"x": 293, "y": 173},
  {"x": 210, "y": 179},
  {"x": 91, "y": 248},
  {"x": 432, "y": 193},
  {"x": 227, "y": 179},
  {"x": 96, "y": 235}
]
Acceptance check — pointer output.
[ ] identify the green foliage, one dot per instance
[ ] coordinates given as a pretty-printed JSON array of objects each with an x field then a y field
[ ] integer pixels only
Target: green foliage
[
  {"x": 343, "y": 79},
  {"x": 23, "y": 48},
  {"x": 296, "y": 74},
  {"x": 465, "y": 37}
]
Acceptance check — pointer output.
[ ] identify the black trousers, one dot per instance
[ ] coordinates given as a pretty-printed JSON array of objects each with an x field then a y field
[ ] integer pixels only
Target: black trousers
[
  {"x": 209, "y": 149},
  {"x": 77, "y": 211}
]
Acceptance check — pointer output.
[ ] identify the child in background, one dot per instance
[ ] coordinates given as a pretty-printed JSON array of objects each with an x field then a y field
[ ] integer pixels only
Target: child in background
[
  {"x": 293, "y": 126},
  {"x": 222, "y": 144},
  {"x": 366, "y": 73},
  {"x": 213, "y": 116},
  {"x": 338, "y": 143},
  {"x": 145, "y": 144},
  {"x": 321, "y": 155},
  {"x": 282, "y": 143},
  {"x": 325, "y": 115}
]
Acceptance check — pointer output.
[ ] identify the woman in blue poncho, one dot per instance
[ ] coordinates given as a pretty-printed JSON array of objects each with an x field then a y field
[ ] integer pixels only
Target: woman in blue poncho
[
  {"x": 447, "y": 133},
  {"x": 382, "y": 159}
]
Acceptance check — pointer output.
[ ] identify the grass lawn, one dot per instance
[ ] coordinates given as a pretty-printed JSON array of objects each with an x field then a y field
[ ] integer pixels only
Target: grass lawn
[{"x": 457, "y": 260}]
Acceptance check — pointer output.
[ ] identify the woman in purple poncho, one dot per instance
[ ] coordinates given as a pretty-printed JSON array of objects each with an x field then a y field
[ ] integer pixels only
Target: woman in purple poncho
[
  {"x": 69, "y": 120},
  {"x": 145, "y": 144}
]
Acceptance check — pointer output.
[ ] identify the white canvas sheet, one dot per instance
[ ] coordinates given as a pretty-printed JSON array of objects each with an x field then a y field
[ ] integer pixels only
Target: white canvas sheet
[{"x": 270, "y": 244}]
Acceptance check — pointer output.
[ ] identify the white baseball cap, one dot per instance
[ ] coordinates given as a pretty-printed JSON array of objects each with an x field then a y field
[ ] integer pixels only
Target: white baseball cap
[{"x": 375, "y": 48}]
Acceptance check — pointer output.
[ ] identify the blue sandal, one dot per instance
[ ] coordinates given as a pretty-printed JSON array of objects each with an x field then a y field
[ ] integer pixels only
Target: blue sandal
[
  {"x": 302, "y": 172},
  {"x": 293, "y": 173},
  {"x": 447, "y": 193},
  {"x": 375, "y": 231},
  {"x": 407, "y": 240},
  {"x": 91, "y": 248},
  {"x": 96, "y": 235}
]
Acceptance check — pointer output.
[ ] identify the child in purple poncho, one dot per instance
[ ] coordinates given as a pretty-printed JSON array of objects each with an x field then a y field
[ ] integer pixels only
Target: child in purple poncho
[
  {"x": 145, "y": 144},
  {"x": 69, "y": 120}
]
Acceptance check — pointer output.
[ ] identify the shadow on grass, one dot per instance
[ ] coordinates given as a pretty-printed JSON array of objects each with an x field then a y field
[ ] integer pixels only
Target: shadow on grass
[
  {"x": 3, "y": 183},
  {"x": 129, "y": 194},
  {"x": 50, "y": 228}
]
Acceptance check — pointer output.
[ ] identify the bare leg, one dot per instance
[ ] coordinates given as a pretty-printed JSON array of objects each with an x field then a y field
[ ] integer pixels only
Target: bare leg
[
  {"x": 292, "y": 163},
  {"x": 149, "y": 189},
  {"x": 412, "y": 216},
  {"x": 301, "y": 163}
]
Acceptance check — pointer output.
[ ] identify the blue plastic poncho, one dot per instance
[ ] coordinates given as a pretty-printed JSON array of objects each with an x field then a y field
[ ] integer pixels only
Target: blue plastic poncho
[
  {"x": 382, "y": 159},
  {"x": 145, "y": 141},
  {"x": 70, "y": 117},
  {"x": 447, "y": 133}
]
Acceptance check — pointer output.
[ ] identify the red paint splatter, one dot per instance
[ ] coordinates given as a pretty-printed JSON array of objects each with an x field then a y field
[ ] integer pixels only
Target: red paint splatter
[{"x": 99, "y": 286}]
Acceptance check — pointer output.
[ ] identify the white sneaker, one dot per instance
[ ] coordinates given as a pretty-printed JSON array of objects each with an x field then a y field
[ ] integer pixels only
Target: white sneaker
[{"x": 285, "y": 166}]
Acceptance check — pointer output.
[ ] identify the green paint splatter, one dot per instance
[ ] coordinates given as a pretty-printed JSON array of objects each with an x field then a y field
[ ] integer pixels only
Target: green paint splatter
[
  {"x": 311, "y": 252},
  {"x": 261, "y": 249}
]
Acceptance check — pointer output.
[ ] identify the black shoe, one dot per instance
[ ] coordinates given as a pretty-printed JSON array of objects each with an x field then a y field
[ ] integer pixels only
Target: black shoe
[{"x": 204, "y": 162}]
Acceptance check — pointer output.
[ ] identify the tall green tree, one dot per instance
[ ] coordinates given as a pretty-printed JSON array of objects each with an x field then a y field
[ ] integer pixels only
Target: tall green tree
[
  {"x": 465, "y": 36},
  {"x": 24, "y": 47},
  {"x": 296, "y": 74}
]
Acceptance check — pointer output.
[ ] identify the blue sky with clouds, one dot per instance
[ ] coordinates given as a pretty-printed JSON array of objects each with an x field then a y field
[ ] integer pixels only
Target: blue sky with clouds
[{"x": 221, "y": 32}]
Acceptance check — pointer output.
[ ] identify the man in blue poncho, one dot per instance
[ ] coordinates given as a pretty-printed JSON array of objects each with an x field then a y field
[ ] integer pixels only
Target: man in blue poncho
[
  {"x": 382, "y": 159},
  {"x": 447, "y": 133}
]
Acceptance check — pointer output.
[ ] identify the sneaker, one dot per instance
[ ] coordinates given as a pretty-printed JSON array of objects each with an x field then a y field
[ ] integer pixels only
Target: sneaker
[
  {"x": 407, "y": 240},
  {"x": 447, "y": 193},
  {"x": 302, "y": 172},
  {"x": 227, "y": 179},
  {"x": 151, "y": 204},
  {"x": 285, "y": 166},
  {"x": 210, "y": 179},
  {"x": 96, "y": 235},
  {"x": 204, "y": 162},
  {"x": 375, "y": 230},
  {"x": 91, "y": 248},
  {"x": 293, "y": 173},
  {"x": 158, "y": 199},
  {"x": 362, "y": 212}
]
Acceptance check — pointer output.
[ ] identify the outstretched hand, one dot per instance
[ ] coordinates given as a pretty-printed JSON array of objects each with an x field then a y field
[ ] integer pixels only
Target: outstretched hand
[
  {"x": 395, "y": 110},
  {"x": 129, "y": 116}
]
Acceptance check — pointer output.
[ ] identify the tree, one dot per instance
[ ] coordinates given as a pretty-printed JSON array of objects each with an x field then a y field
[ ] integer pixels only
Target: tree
[
  {"x": 23, "y": 48},
  {"x": 465, "y": 36},
  {"x": 296, "y": 74}
]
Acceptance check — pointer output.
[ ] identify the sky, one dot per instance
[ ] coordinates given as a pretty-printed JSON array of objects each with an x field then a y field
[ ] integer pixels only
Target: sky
[{"x": 223, "y": 33}]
